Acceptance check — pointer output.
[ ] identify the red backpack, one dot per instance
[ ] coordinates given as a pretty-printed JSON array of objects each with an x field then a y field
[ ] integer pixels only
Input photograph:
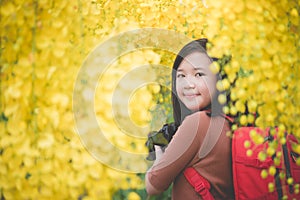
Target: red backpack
[{"x": 247, "y": 169}]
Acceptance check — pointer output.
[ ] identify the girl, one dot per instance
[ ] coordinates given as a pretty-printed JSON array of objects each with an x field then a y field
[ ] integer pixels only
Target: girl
[{"x": 200, "y": 140}]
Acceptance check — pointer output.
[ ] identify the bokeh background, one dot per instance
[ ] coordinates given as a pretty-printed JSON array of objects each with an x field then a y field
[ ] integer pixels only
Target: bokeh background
[{"x": 44, "y": 43}]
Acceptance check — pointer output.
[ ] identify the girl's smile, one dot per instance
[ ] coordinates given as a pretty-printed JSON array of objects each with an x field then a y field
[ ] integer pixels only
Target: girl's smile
[{"x": 190, "y": 96}]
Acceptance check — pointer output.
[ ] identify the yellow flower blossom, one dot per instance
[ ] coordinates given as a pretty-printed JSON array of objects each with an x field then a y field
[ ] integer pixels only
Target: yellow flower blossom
[{"x": 44, "y": 44}]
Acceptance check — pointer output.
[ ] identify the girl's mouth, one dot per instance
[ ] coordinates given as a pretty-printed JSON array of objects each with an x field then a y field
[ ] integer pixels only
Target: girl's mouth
[{"x": 191, "y": 95}]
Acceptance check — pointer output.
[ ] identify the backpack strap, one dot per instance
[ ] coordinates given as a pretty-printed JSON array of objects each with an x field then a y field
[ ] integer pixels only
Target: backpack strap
[
  {"x": 287, "y": 164},
  {"x": 200, "y": 184},
  {"x": 230, "y": 119}
]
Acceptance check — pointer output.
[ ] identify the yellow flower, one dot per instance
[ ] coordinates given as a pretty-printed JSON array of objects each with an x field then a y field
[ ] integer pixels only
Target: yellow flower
[
  {"x": 43, "y": 54},
  {"x": 272, "y": 170},
  {"x": 264, "y": 173},
  {"x": 271, "y": 187},
  {"x": 133, "y": 196},
  {"x": 45, "y": 141},
  {"x": 222, "y": 99}
]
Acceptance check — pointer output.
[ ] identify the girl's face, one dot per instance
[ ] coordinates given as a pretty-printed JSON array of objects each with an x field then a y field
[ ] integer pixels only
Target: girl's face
[{"x": 195, "y": 83}]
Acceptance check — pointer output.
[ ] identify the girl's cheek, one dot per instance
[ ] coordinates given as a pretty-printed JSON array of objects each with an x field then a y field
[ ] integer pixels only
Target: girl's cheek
[
  {"x": 179, "y": 85},
  {"x": 202, "y": 85},
  {"x": 178, "y": 91},
  {"x": 209, "y": 85}
]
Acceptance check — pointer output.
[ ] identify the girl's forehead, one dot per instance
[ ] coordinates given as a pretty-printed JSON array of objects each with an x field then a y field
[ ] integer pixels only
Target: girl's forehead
[{"x": 195, "y": 60}]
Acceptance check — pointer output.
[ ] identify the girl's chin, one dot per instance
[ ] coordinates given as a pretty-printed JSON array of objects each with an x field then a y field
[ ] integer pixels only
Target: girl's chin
[{"x": 193, "y": 108}]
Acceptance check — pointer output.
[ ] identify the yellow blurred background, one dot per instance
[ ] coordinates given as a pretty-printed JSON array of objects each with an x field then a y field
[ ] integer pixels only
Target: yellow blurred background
[{"x": 44, "y": 44}]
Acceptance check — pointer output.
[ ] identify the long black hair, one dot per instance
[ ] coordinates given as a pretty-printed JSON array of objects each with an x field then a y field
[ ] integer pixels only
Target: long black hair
[{"x": 180, "y": 111}]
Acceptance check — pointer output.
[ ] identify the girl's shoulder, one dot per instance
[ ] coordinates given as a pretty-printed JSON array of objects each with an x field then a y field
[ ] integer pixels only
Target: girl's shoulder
[
  {"x": 202, "y": 120},
  {"x": 196, "y": 120}
]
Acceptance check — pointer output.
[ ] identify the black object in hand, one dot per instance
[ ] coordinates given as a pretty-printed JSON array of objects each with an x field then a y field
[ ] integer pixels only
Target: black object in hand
[{"x": 160, "y": 138}]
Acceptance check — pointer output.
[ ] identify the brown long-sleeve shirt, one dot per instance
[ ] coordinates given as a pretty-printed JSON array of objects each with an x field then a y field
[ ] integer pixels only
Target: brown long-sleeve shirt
[{"x": 201, "y": 142}]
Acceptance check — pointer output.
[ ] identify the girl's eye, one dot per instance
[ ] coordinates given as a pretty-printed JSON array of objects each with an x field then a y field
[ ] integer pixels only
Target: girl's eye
[
  {"x": 199, "y": 74},
  {"x": 180, "y": 75}
]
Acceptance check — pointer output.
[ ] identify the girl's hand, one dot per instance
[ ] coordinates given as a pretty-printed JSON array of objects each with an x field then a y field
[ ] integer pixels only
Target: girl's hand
[{"x": 158, "y": 152}]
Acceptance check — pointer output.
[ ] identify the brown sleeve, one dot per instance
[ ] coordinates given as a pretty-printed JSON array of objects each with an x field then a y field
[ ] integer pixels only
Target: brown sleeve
[{"x": 181, "y": 150}]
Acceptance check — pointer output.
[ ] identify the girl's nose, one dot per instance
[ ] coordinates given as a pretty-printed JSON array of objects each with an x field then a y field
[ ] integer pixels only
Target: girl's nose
[{"x": 190, "y": 84}]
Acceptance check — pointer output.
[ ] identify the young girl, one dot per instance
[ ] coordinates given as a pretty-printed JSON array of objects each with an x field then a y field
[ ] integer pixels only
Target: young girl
[{"x": 200, "y": 140}]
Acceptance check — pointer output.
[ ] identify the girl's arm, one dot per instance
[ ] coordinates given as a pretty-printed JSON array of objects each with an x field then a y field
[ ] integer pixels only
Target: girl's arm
[
  {"x": 179, "y": 153},
  {"x": 151, "y": 190}
]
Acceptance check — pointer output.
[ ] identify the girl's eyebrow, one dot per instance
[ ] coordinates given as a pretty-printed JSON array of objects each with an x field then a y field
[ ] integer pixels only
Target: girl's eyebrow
[{"x": 195, "y": 68}]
